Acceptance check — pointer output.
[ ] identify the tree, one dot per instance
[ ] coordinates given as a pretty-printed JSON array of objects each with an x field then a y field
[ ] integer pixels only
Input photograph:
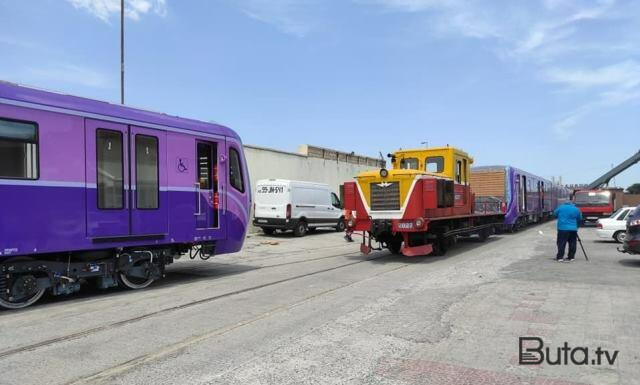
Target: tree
[{"x": 634, "y": 188}]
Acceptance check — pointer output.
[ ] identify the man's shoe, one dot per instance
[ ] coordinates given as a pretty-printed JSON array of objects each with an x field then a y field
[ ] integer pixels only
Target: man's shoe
[
  {"x": 570, "y": 259},
  {"x": 559, "y": 260}
]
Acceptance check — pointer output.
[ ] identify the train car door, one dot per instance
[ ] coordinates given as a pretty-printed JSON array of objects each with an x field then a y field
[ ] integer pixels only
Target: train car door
[
  {"x": 210, "y": 189},
  {"x": 238, "y": 192},
  {"x": 126, "y": 180},
  {"x": 148, "y": 170},
  {"x": 107, "y": 179}
]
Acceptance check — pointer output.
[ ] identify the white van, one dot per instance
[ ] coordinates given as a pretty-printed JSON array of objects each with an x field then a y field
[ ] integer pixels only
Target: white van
[{"x": 294, "y": 205}]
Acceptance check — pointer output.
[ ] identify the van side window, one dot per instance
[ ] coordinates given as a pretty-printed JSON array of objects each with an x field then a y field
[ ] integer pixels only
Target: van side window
[
  {"x": 235, "y": 170},
  {"x": 18, "y": 149},
  {"x": 335, "y": 202}
]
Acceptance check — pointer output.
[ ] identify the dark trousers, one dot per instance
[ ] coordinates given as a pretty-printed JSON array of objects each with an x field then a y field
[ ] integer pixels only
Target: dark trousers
[{"x": 565, "y": 236}]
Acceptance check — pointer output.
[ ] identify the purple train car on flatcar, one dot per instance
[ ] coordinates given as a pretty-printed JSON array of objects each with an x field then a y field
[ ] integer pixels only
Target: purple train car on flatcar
[
  {"x": 95, "y": 191},
  {"x": 523, "y": 197}
]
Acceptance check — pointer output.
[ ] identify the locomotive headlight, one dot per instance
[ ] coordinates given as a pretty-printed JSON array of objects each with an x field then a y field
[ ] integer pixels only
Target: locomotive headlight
[
  {"x": 419, "y": 222},
  {"x": 384, "y": 173}
]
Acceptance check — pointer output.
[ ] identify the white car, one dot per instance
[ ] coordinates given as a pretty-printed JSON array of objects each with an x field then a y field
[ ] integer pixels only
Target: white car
[
  {"x": 614, "y": 227},
  {"x": 295, "y": 205}
]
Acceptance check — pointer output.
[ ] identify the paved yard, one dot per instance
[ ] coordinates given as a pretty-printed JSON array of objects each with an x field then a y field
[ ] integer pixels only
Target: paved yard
[{"x": 314, "y": 310}]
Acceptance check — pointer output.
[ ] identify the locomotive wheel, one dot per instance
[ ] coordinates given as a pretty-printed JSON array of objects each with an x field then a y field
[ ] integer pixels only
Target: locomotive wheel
[
  {"x": 135, "y": 283},
  {"x": 483, "y": 235},
  {"x": 26, "y": 292},
  {"x": 394, "y": 246}
]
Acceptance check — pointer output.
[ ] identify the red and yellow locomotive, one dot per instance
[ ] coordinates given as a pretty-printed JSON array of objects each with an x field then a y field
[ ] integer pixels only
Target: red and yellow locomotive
[{"x": 420, "y": 205}]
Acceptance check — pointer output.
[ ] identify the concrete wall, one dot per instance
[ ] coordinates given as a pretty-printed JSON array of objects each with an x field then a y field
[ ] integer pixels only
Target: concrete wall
[{"x": 313, "y": 164}]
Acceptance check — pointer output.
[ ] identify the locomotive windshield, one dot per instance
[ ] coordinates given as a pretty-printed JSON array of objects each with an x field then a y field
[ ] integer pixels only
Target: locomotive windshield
[
  {"x": 434, "y": 164},
  {"x": 409, "y": 164}
]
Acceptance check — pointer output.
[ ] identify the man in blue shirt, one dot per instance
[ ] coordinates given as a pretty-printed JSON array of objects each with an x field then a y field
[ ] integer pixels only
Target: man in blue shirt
[{"x": 569, "y": 218}]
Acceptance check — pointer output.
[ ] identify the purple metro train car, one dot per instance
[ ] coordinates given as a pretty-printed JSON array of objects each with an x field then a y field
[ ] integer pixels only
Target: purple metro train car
[
  {"x": 523, "y": 197},
  {"x": 95, "y": 191}
]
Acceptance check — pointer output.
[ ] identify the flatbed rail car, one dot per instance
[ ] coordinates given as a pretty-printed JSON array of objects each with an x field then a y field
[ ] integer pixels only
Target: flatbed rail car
[
  {"x": 92, "y": 191},
  {"x": 420, "y": 205},
  {"x": 523, "y": 197}
]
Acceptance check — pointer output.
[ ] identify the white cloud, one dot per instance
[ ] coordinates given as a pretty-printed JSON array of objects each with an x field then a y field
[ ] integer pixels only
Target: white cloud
[
  {"x": 620, "y": 76},
  {"x": 67, "y": 73},
  {"x": 554, "y": 37},
  {"x": 105, "y": 9},
  {"x": 289, "y": 16}
]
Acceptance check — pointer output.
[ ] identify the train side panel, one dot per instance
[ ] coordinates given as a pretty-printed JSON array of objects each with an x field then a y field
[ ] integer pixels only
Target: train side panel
[{"x": 46, "y": 213}]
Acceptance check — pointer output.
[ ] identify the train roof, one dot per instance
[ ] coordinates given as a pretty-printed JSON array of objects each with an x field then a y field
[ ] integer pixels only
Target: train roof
[
  {"x": 504, "y": 167},
  {"x": 19, "y": 95}
]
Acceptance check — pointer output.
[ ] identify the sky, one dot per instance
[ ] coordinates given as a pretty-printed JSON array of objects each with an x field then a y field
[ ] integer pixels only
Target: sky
[{"x": 549, "y": 86}]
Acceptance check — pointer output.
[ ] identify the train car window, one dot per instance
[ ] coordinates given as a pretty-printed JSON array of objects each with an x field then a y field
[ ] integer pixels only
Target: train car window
[
  {"x": 110, "y": 169},
  {"x": 434, "y": 164},
  {"x": 409, "y": 164},
  {"x": 147, "y": 185},
  {"x": 458, "y": 171},
  {"x": 18, "y": 149},
  {"x": 235, "y": 170}
]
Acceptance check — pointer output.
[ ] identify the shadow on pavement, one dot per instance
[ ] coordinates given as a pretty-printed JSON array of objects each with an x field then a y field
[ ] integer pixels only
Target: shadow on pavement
[
  {"x": 176, "y": 275},
  {"x": 630, "y": 262}
]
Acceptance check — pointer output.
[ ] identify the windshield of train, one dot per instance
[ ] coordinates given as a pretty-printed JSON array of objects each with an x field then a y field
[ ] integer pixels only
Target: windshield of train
[
  {"x": 592, "y": 198},
  {"x": 409, "y": 163}
]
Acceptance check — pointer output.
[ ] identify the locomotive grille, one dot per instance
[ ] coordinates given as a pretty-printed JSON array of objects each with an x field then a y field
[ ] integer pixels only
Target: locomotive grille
[{"x": 385, "y": 196}]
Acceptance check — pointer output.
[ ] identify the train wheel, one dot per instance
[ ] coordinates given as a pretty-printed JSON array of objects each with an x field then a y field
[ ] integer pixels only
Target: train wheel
[
  {"x": 25, "y": 291},
  {"x": 135, "y": 283},
  {"x": 441, "y": 246},
  {"x": 394, "y": 246},
  {"x": 483, "y": 235}
]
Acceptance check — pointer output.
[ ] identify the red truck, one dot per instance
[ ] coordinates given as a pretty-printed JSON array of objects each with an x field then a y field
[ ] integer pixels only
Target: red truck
[{"x": 594, "y": 204}]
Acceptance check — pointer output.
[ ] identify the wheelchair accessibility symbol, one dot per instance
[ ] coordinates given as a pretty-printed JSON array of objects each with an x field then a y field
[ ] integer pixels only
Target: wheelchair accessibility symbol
[{"x": 182, "y": 165}]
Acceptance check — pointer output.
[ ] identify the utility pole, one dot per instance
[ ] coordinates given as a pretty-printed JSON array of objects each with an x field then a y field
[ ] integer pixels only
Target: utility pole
[{"x": 121, "y": 51}]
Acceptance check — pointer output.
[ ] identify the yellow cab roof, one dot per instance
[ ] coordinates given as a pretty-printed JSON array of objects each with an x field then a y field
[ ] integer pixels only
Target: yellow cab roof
[{"x": 414, "y": 151}]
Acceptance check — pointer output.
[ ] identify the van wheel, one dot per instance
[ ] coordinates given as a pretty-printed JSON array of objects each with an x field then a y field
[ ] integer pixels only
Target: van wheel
[
  {"x": 300, "y": 230},
  {"x": 341, "y": 226},
  {"x": 619, "y": 236},
  {"x": 268, "y": 230}
]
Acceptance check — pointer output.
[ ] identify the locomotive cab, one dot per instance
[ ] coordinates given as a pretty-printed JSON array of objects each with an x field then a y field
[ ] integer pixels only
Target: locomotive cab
[{"x": 445, "y": 162}]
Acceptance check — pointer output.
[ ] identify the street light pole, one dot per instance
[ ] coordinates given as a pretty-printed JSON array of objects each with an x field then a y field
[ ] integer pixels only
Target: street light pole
[{"x": 121, "y": 51}]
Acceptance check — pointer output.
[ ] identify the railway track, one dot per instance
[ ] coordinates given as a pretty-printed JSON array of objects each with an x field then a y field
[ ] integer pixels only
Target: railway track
[
  {"x": 128, "y": 321},
  {"x": 174, "y": 348}
]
